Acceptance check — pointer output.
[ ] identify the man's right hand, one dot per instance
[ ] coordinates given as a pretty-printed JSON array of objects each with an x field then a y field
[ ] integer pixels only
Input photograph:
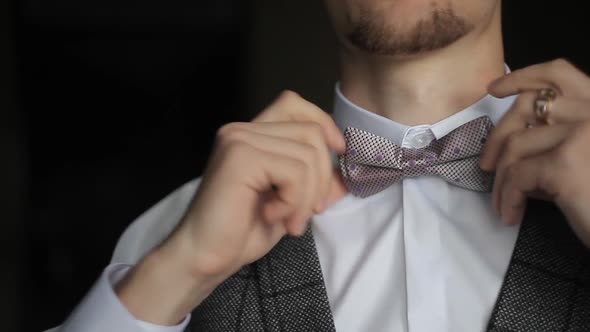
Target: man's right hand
[{"x": 265, "y": 179}]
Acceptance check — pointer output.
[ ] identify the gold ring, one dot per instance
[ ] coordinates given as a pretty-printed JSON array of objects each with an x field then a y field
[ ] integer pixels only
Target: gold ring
[{"x": 543, "y": 103}]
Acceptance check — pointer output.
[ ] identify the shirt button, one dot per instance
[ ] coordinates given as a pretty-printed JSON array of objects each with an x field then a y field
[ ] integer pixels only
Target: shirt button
[{"x": 417, "y": 138}]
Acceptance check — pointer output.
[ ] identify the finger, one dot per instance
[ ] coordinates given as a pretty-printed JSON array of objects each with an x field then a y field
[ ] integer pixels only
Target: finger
[
  {"x": 270, "y": 233},
  {"x": 307, "y": 132},
  {"x": 305, "y": 153},
  {"x": 273, "y": 209},
  {"x": 513, "y": 205},
  {"x": 523, "y": 178},
  {"x": 558, "y": 74},
  {"x": 563, "y": 111},
  {"x": 316, "y": 187},
  {"x": 288, "y": 176},
  {"x": 525, "y": 144},
  {"x": 530, "y": 78},
  {"x": 291, "y": 107},
  {"x": 569, "y": 110},
  {"x": 510, "y": 123},
  {"x": 275, "y": 179}
]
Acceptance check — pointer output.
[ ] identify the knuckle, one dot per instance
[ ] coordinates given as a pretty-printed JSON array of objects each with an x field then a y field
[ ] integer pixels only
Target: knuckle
[
  {"x": 288, "y": 96},
  {"x": 230, "y": 132},
  {"x": 223, "y": 129},
  {"x": 226, "y": 128},
  {"x": 561, "y": 63}
]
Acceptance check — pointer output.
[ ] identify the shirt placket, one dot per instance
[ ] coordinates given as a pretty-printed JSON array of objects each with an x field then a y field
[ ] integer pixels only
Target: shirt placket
[{"x": 425, "y": 292}]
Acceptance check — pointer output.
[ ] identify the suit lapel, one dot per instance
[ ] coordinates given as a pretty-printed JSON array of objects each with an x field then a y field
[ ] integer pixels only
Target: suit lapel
[
  {"x": 546, "y": 284},
  {"x": 283, "y": 291}
]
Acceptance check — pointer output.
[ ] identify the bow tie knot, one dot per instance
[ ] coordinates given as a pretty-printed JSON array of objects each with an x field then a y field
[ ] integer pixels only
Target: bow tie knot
[{"x": 372, "y": 163}]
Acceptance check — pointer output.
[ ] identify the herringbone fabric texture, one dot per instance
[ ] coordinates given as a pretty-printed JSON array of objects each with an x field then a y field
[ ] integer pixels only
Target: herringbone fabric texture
[
  {"x": 283, "y": 291},
  {"x": 372, "y": 163},
  {"x": 546, "y": 287}
]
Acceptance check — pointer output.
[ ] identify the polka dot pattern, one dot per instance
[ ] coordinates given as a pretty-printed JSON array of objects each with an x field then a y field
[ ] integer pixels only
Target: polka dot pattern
[{"x": 372, "y": 163}]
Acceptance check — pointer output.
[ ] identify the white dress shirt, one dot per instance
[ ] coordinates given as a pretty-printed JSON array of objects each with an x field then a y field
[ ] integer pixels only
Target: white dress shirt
[{"x": 420, "y": 256}]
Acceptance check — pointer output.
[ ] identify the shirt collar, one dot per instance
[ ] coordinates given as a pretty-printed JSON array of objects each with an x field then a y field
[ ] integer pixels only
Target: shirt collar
[{"x": 347, "y": 114}]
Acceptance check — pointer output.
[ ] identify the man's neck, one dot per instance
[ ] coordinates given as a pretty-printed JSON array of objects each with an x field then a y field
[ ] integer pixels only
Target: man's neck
[{"x": 427, "y": 88}]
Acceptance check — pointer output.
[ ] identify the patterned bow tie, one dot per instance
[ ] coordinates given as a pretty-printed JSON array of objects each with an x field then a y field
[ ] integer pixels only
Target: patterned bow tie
[{"x": 372, "y": 163}]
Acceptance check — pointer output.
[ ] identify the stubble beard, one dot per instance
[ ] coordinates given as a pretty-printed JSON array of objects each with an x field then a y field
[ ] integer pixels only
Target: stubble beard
[{"x": 373, "y": 35}]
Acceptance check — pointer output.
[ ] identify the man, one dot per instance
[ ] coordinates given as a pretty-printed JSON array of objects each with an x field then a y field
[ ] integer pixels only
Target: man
[{"x": 408, "y": 233}]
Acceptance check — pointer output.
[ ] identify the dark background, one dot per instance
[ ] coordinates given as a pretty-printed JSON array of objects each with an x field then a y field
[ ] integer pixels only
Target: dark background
[{"x": 107, "y": 106}]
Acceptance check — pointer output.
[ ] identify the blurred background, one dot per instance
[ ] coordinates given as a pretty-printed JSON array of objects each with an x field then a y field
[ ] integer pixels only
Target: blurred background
[{"x": 107, "y": 106}]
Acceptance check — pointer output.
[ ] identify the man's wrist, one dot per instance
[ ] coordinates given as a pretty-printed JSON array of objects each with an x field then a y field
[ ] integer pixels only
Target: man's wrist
[{"x": 163, "y": 289}]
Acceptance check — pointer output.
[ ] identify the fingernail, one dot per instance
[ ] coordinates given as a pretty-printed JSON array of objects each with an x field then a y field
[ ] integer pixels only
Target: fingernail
[{"x": 320, "y": 206}]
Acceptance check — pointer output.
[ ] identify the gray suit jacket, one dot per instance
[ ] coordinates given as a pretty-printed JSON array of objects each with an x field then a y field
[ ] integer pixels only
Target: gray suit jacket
[{"x": 546, "y": 287}]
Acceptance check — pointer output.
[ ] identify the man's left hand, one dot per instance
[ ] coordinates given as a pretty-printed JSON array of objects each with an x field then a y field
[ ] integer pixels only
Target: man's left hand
[{"x": 536, "y": 159}]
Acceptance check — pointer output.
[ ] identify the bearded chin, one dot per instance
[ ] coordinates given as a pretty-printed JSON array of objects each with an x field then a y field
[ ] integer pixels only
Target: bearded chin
[{"x": 443, "y": 27}]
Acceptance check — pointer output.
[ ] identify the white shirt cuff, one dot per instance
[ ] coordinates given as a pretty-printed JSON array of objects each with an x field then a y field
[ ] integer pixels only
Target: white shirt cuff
[{"x": 102, "y": 311}]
